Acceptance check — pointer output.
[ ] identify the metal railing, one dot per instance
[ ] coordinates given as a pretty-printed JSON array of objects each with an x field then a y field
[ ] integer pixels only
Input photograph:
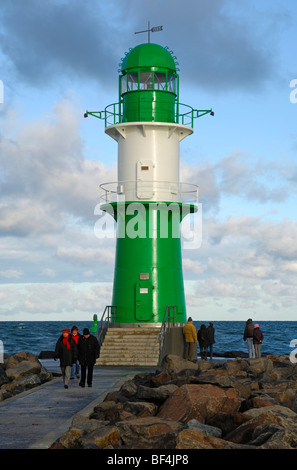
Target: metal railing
[
  {"x": 184, "y": 114},
  {"x": 168, "y": 321},
  {"x": 104, "y": 322},
  {"x": 182, "y": 192}
]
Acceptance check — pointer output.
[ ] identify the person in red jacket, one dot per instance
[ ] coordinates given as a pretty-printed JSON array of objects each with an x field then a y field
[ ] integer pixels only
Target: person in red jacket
[{"x": 257, "y": 339}]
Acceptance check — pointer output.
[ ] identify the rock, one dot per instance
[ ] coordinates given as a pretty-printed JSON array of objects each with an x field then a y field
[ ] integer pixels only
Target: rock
[
  {"x": 149, "y": 433},
  {"x": 240, "y": 404},
  {"x": 3, "y": 377},
  {"x": 199, "y": 402},
  {"x": 22, "y": 369},
  {"x": 227, "y": 422},
  {"x": 158, "y": 395},
  {"x": 281, "y": 439},
  {"x": 205, "y": 428},
  {"x": 20, "y": 372},
  {"x": 160, "y": 379},
  {"x": 259, "y": 366},
  {"x": 174, "y": 364},
  {"x": 141, "y": 409},
  {"x": 128, "y": 389},
  {"x": 101, "y": 438},
  {"x": 255, "y": 403},
  {"x": 194, "y": 439},
  {"x": 235, "y": 354},
  {"x": 276, "y": 415}
]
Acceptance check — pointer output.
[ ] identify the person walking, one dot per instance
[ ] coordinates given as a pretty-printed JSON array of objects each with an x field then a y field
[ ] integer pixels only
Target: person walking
[
  {"x": 66, "y": 351},
  {"x": 210, "y": 338},
  {"x": 75, "y": 366},
  {"x": 203, "y": 341},
  {"x": 248, "y": 336},
  {"x": 190, "y": 334},
  {"x": 88, "y": 351},
  {"x": 257, "y": 340}
]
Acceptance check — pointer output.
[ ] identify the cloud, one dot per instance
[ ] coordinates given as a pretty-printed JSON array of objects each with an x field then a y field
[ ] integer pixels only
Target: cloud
[
  {"x": 46, "y": 177},
  {"x": 67, "y": 300},
  {"x": 86, "y": 40}
]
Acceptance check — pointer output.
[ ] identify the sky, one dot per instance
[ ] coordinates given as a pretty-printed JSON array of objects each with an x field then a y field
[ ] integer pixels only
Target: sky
[{"x": 61, "y": 57}]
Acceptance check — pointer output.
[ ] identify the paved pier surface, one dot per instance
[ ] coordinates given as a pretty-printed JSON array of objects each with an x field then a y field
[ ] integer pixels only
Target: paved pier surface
[{"x": 36, "y": 418}]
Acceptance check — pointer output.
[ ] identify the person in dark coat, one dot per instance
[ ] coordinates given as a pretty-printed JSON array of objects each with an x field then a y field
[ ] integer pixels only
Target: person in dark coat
[
  {"x": 210, "y": 338},
  {"x": 257, "y": 339},
  {"x": 88, "y": 351},
  {"x": 66, "y": 351},
  {"x": 75, "y": 366},
  {"x": 248, "y": 337},
  {"x": 203, "y": 342}
]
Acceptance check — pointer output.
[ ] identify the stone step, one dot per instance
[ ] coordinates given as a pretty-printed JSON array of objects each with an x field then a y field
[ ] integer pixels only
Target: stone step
[
  {"x": 130, "y": 346},
  {"x": 126, "y": 363}
]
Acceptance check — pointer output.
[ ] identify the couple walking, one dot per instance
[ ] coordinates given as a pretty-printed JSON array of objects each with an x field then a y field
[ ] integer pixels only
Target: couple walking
[{"x": 85, "y": 350}]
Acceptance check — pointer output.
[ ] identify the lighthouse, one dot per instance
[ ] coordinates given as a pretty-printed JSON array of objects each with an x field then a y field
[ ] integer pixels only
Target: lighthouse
[{"x": 148, "y": 201}]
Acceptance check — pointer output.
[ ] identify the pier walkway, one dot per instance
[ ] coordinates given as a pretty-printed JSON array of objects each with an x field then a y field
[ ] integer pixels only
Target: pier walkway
[{"x": 36, "y": 418}]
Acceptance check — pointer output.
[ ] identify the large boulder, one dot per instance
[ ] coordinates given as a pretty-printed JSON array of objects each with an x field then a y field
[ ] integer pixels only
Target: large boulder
[
  {"x": 149, "y": 432},
  {"x": 199, "y": 402}
]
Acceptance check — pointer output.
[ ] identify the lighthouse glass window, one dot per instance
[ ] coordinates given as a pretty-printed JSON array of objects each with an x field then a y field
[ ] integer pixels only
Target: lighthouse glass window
[
  {"x": 146, "y": 80},
  {"x": 160, "y": 81},
  {"x": 171, "y": 83},
  {"x": 132, "y": 81}
]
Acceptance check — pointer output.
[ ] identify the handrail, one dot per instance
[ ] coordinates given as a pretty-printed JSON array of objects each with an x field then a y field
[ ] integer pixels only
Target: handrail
[
  {"x": 183, "y": 191},
  {"x": 112, "y": 114},
  {"x": 104, "y": 323},
  {"x": 166, "y": 323}
]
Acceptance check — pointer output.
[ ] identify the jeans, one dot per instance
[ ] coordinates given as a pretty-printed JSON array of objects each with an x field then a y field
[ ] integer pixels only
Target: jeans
[
  {"x": 75, "y": 370},
  {"x": 257, "y": 350},
  {"x": 251, "y": 348}
]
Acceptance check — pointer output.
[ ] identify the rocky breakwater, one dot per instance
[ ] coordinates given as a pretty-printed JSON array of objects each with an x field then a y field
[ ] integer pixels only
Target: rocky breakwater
[
  {"x": 241, "y": 404},
  {"x": 20, "y": 372}
]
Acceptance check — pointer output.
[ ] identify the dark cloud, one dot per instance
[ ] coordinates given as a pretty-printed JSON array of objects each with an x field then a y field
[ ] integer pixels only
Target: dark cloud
[{"x": 216, "y": 50}]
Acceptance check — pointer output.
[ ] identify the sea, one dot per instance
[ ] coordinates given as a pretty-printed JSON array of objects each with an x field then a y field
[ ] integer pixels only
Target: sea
[{"x": 37, "y": 336}]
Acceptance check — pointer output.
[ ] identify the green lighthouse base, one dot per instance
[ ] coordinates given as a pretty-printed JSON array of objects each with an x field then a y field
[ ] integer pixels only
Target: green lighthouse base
[{"x": 148, "y": 267}]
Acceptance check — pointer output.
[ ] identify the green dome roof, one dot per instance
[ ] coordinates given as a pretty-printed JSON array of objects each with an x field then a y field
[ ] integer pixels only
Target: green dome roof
[{"x": 148, "y": 55}]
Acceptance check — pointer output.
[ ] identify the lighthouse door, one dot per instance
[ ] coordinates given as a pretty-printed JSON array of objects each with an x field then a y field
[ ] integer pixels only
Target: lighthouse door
[
  {"x": 145, "y": 189},
  {"x": 143, "y": 301}
]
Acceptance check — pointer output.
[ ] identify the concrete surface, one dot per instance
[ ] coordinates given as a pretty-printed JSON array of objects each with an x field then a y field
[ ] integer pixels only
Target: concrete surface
[{"x": 36, "y": 418}]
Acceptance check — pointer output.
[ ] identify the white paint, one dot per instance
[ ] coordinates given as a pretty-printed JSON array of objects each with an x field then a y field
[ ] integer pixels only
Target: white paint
[{"x": 149, "y": 159}]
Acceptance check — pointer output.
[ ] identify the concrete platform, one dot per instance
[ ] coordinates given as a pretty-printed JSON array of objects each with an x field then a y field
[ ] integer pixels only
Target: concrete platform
[{"x": 36, "y": 418}]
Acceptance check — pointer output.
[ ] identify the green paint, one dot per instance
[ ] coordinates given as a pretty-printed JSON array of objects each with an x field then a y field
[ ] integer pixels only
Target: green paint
[
  {"x": 148, "y": 267},
  {"x": 148, "y": 85}
]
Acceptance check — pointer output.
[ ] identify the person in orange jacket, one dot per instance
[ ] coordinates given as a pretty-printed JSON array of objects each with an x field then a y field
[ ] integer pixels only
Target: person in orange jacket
[{"x": 190, "y": 335}]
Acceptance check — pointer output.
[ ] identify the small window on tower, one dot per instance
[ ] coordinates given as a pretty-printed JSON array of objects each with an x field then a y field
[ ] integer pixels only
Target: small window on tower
[{"x": 145, "y": 168}]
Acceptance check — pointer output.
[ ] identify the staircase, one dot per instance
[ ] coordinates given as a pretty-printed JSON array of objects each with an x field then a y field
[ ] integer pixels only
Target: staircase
[{"x": 130, "y": 347}]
